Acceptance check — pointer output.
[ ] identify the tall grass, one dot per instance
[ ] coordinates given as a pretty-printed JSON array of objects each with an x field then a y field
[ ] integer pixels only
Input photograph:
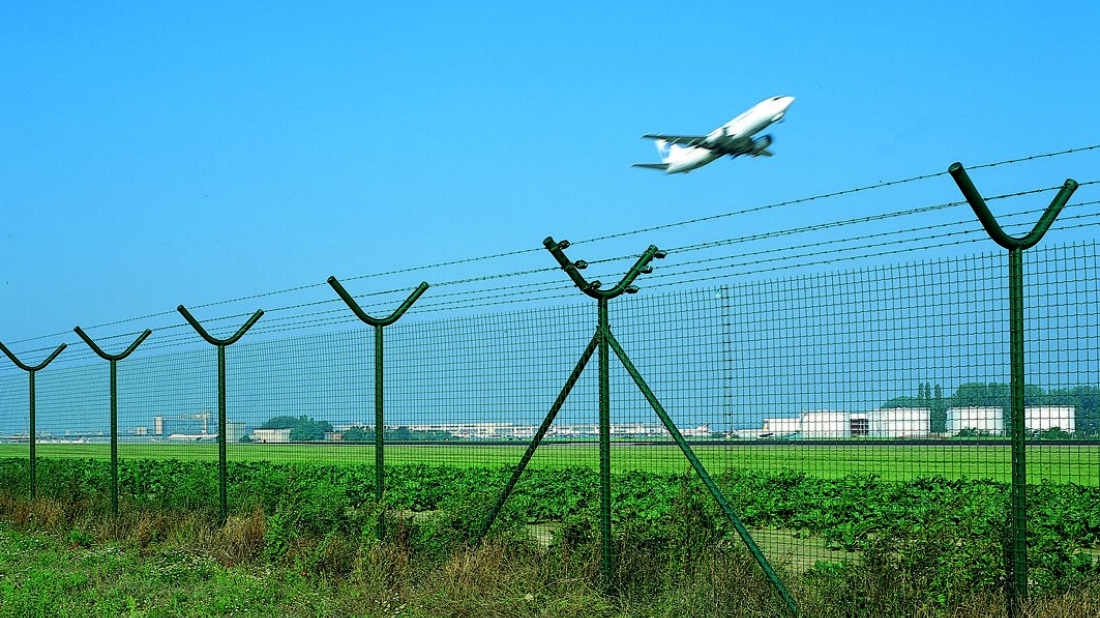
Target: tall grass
[{"x": 68, "y": 556}]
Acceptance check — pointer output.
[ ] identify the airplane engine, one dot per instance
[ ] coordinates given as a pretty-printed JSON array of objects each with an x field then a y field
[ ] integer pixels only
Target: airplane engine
[{"x": 761, "y": 143}]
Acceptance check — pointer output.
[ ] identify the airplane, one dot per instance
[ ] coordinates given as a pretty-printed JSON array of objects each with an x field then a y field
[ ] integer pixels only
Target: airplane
[{"x": 683, "y": 153}]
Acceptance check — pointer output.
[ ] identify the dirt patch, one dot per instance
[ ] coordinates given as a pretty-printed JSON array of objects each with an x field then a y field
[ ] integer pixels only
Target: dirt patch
[
  {"x": 796, "y": 551},
  {"x": 544, "y": 532},
  {"x": 784, "y": 547}
]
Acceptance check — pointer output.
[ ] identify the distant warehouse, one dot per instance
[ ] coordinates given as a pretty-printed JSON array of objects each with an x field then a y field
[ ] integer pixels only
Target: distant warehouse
[
  {"x": 899, "y": 423},
  {"x": 990, "y": 421},
  {"x": 271, "y": 436},
  {"x": 1043, "y": 418},
  {"x": 908, "y": 423},
  {"x": 981, "y": 420},
  {"x": 825, "y": 424}
]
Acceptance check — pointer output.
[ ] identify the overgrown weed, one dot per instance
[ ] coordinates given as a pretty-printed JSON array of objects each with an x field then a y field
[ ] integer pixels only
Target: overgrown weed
[
  {"x": 688, "y": 563},
  {"x": 241, "y": 539}
]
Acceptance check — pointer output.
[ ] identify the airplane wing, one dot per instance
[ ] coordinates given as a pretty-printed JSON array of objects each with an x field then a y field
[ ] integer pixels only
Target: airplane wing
[
  {"x": 682, "y": 140},
  {"x": 733, "y": 146}
]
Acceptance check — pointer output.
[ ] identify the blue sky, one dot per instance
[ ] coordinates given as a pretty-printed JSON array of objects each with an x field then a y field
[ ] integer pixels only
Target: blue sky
[{"x": 158, "y": 154}]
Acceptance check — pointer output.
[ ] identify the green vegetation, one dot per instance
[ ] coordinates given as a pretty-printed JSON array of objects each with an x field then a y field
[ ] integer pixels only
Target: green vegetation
[
  {"x": 359, "y": 434},
  {"x": 302, "y": 428},
  {"x": 301, "y": 542},
  {"x": 1054, "y": 433},
  {"x": 847, "y": 512}
]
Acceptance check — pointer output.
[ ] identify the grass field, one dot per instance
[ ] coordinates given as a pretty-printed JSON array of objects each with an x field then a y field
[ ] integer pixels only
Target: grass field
[{"x": 1057, "y": 463}]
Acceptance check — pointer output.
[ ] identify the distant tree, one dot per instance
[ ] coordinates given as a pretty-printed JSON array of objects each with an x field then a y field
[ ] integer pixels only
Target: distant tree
[
  {"x": 939, "y": 412},
  {"x": 904, "y": 401},
  {"x": 1086, "y": 400},
  {"x": 929, "y": 398},
  {"x": 980, "y": 395},
  {"x": 994, "y": 395},
  {"x": 309, "y": 430},
  {"x": 302, "y": 428},
  {"x": 359, "y": 434},
  {"x": 280, "y": 422}
]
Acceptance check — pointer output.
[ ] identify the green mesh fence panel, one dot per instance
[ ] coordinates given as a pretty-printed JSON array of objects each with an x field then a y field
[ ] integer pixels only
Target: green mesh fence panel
[
  {"x": 897, "y": 371},
  {"x": 844, "y": 397}
]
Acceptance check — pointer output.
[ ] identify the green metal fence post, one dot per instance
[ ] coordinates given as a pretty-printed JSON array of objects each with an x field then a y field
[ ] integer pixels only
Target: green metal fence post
[
  {"x": 607, "y": 340},
  {"x": 603, "y": 335},
  {"x": 113, "y": 358},
  {"x": 221, "y": 345},
  {"x": 379, "y": 392},
  {"x": 1017, "y": 570},
  {"x": 31, "y": 437}
]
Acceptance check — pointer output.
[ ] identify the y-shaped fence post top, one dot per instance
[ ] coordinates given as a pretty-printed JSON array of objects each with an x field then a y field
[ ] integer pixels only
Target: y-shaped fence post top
[
  {"x": 219, "y": 342},
  {"x": 990, "y": 224},
  {"x": 592, "y": 288},
  {"x": 28, "y": 368},
  {"x": 362, "y": 315},
  {"x": 112, "y": 357}
]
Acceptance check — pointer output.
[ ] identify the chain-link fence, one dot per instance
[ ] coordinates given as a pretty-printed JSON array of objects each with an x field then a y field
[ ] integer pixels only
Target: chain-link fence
[{"x": 845, "y": 383}]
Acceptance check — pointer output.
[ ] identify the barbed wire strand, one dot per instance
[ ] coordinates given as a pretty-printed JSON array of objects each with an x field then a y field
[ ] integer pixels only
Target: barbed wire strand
[{"x": 162, "y": 314}]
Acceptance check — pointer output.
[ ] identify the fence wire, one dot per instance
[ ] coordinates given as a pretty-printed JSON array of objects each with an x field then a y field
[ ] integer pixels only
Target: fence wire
[{"x": 826, "y": 375}]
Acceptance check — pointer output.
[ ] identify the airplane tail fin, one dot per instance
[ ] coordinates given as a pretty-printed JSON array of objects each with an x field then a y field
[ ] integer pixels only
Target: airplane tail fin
[
  {"x": 667, "y": 151},
  {"x": 664, "y": 150}
]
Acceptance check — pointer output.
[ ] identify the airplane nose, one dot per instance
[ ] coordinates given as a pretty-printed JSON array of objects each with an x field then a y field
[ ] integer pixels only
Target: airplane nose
[{"x": 784, "y": 102}]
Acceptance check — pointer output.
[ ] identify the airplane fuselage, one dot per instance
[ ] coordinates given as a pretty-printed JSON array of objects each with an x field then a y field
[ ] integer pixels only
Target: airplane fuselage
[
  {"x": 683, "y": 160},
  {"x": 681, "y": 154},
  {"x": 750, "y": 123}
]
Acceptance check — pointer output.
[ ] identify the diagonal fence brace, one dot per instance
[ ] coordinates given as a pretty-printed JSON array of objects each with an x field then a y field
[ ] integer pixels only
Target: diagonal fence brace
[
  {"x": 539, "y": 435},
  {"x": 113, "y": 358},
  {"x": 604, "y": 341},
  {"x": 697, "y": 465}
]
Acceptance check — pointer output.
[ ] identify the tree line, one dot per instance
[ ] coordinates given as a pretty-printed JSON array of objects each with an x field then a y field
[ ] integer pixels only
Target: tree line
[{"x": 307, "y": 429}]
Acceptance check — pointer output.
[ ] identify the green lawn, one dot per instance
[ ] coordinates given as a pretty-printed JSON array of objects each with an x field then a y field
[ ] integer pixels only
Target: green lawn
[{"x": 1061, "y": 464}]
